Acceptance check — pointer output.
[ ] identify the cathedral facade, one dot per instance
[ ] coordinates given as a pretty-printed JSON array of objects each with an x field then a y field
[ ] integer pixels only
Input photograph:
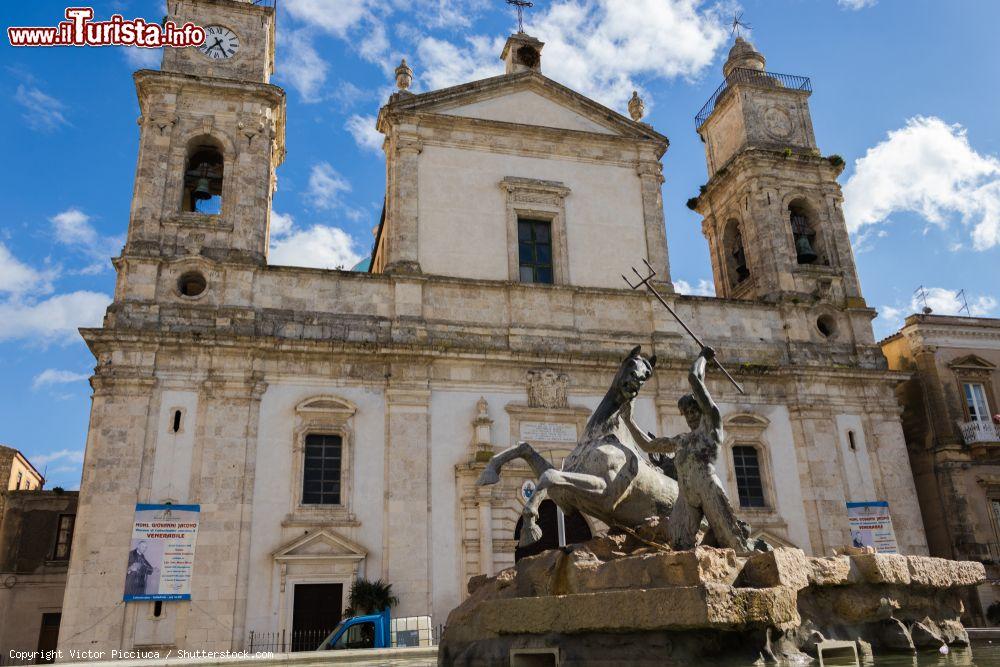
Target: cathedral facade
[{"x": 331, "y": 424}]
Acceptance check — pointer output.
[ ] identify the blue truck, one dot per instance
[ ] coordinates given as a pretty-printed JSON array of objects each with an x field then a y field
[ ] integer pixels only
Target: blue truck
[{"x": 379, "y": 631}]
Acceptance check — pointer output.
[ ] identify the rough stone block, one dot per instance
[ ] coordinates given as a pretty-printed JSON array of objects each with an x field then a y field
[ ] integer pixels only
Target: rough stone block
[
  {"x": 782, "y": 567},
  {"x": 932, "y": 572},
  {"x": 968, "y": 573},
  {"x": 881, "y": 568},
  {"x": 833, "y": 571}
]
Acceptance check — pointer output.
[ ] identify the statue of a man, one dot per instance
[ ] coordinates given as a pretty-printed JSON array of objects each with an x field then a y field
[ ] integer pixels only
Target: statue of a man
[{"x": 695, "y": 455}]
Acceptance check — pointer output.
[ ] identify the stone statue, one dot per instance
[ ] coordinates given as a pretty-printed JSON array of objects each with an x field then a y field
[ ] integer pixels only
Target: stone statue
[
  {"x": 607, "y": 475},
  {"x": 695, "y": 455}
]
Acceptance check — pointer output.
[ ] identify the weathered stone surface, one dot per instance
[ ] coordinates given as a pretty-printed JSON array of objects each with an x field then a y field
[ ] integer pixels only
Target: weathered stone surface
[
  {"x": 833, "y": 571},
  {"x": 881, "y": 568},
  {"x": 781, "y": 567},
  {"x": 676, "y": 608},
  {"x": 926, "y": 635},
  {"x": 778, "y": 604}
]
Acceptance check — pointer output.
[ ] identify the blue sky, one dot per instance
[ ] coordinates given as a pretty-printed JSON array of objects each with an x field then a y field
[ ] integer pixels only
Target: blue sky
[{"x": 906, "y": 92}]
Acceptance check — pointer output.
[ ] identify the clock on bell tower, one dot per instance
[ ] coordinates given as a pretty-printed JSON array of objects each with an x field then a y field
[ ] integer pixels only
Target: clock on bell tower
[{"x": 239, "y": 39}]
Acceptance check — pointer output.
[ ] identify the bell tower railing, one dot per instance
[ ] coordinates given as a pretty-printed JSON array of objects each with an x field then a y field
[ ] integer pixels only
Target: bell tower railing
[{"x": 752, "y": 77}]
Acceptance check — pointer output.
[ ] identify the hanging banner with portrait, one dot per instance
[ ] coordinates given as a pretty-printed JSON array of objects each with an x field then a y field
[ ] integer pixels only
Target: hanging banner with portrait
[
  {"x": 871, "y": 526},
  {"x": 161, "y": 554}
]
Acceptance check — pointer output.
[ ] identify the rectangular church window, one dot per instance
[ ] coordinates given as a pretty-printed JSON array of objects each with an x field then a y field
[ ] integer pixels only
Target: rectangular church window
[
  {"x": 64, "y": 537},
  {"x": 746, "y": 465},
  {"x": 534, "y": 248},
  {"x": 321, "y": 472}
]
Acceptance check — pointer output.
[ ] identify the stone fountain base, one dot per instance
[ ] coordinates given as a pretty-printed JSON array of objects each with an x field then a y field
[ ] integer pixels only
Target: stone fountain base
[{"x": 618, "y": 600}]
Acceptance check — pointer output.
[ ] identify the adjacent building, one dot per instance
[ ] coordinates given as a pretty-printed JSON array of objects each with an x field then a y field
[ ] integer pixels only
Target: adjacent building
[
  {"x": 16, "y": 472},
  {"x": 331, "y": 424},
  {"x": 36, "y": 533},
  {"x": 950, "y": 418}
]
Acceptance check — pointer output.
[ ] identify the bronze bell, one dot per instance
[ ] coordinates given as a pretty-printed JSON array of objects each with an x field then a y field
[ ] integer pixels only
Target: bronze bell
[
  {"x": 804, "y": 250},
  {"x": 203, "y": 189}
]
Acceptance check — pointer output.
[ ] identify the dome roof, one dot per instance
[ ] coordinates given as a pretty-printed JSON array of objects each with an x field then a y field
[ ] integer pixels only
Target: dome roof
[
  {"x": 743, "y": 55},
  {"x": 363, "y": 266}
]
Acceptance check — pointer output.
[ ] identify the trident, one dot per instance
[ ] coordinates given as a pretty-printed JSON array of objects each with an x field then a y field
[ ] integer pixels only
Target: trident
[{"x": 652, "y": 290}]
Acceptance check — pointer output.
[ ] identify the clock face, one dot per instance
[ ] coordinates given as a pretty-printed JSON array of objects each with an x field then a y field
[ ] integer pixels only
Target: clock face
[{"x": 220, "y": 43}]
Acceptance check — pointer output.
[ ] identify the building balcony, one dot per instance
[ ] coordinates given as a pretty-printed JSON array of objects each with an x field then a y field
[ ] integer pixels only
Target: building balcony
[{"x": 979, "y": 432}]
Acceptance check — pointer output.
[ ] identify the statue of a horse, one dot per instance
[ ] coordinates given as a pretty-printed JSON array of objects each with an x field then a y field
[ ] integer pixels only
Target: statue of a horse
[{"x": 607, "y": 475}]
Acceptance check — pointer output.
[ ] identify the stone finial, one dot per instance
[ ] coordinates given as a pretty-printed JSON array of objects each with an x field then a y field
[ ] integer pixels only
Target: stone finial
[
  {"x": 404, "y": 75},
  {"x": 743, "y": 55},
  {"x": 636, "y": 107},
  {"x": 482, "y": 432}
]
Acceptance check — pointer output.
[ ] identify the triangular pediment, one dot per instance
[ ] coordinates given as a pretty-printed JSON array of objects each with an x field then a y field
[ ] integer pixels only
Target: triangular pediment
[
  {"x": 972, "y": 362},
  {"x": 771, "y": 539},
  {"x": 528, "y": 107},
  {"x": 320, "y": 545},
  {"x": 525, "y": 98}
]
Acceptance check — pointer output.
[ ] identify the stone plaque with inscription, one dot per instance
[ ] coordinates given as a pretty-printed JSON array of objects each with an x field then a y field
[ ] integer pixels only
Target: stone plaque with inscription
[{"x": 548, "y": 432}]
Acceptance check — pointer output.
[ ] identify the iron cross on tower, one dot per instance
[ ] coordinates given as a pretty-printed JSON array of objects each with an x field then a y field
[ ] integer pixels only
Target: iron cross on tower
[{"x": 520, "y": 4}]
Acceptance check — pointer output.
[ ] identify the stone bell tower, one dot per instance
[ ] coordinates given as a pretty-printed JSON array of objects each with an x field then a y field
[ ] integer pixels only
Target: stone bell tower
[
  {"x": 772, "y": 207},
  {"x": 211, "y": 137}
]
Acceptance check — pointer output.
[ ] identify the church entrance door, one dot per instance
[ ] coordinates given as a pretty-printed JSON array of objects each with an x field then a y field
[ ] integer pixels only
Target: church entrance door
[{"x": 316, "y": 611}]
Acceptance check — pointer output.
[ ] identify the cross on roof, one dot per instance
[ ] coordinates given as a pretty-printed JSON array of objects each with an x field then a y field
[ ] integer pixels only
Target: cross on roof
[
  {"x": 737, "y": 24},
  {"x": 520, "y": 4}
]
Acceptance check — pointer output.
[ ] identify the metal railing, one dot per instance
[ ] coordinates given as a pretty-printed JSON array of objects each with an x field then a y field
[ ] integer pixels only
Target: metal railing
[
  {"x": 752, "y": 77},
  {"x": 309, "y": 640},
  {"x": 286, "y": 642},
  {"x": 979, "y": 431}
]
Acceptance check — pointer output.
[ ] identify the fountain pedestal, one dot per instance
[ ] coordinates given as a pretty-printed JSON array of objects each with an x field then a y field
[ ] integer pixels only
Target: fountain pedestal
[{"x": 621, "y": 600}]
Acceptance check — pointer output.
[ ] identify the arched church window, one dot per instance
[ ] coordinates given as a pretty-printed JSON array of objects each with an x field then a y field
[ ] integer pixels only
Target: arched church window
[
  {"x": 802, "y": 219},
  {"x": 736, "y": 257},
  {"x": 203, "y": 176}
]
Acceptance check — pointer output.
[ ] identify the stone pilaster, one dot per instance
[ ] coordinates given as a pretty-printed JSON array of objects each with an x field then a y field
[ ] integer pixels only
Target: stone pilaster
[
  {"x": 484, "y": 499},
  {"x": 651, "y": 179},
  {"x": 406, "y": 559},
  {"x": 403, "y": 211},
  {"x": 225, "y": 455},
  {"x": 93, "y": 610}
]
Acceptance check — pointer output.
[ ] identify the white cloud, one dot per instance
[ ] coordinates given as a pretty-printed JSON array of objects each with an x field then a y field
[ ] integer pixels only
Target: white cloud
[
  {"x": 141, "y": 58},
  {"x": 362, "y": 128},
  {"x": 704, "y": 287},
  {"x": 326, "y": 186},
  {"x": 302, "y": 65},
  {"x": 318, "y": 247},
  {"x": 66, "y": 455},
  {"x": 333, "y": 16},
  {"x": 52, "y": 376},
  {"x": 55, "y": 319},
  {"x": 17, "y": 278},
  {"x": 42, "y": 112},
  {"x": 601, "y": 48},
  {"x": 856, "y": 4},
  {"x": 927, "y": 167},
  {"x": 72, "y": 228},
  {"x": 281, "y": 224},
  {"x": 941, "y": 301},
  {"x": 443, "y": 64}
]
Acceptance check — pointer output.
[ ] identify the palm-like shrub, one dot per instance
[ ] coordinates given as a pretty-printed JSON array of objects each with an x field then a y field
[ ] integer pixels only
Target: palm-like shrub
[{"x": 369, "y": 597}]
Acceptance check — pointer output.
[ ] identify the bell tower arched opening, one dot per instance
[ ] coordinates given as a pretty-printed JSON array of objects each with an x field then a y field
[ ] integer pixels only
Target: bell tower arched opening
[{"x": 203, "y": 176}]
